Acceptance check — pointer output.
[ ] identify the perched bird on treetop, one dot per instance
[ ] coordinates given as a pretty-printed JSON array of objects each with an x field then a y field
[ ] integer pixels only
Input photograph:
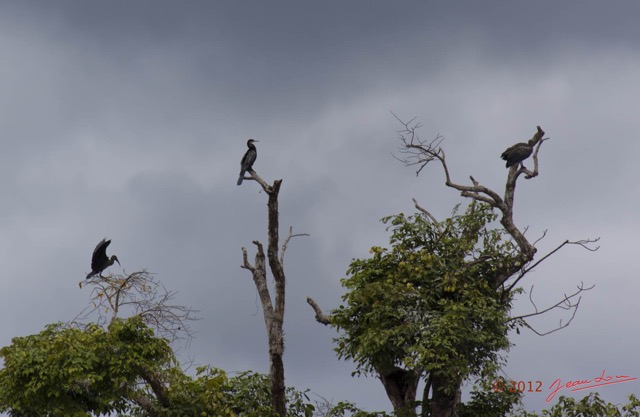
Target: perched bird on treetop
[
  {"x": 248, "y": 159},
  {"x": 100, "y": 261},
  {"x": 518, "y": 152}
]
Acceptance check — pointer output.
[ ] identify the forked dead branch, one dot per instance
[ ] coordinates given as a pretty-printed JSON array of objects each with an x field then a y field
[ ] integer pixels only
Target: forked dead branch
[
  {"x": 418, "y": 152},
  {"x": 273, "y": 310}
]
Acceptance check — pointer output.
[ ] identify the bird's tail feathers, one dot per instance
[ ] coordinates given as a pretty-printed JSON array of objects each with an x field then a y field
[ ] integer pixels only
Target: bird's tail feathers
[{"x": 241, "y": 177}]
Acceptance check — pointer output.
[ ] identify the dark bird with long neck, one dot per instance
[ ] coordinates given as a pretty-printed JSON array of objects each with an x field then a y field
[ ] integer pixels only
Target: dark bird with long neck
[
  {"x": 100, "y": 261},
  {"x": 518, "y": 152},
  {"x": 248, "y": 159}
]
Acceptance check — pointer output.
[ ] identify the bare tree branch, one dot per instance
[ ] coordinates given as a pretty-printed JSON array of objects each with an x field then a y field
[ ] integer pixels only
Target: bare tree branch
[
  {"x": 286, "y": 242},
  {"x": 245, "y": 261},
  {"x": 423, "y": 210},
  {"x": 419, "y": 152},
  {"x": 266, "y": 187},
  {"x": 544, "y": 234},
  {"x": 534, "y": 173},
  {"x": 582, "y": 243},
  {"x": 567, "y": 303},
  {"x": 320, "y": 316},
  {"x": 273, "y": 310},
  {"x": 259, "y": 275},
  {"x": 138, "y": 294}
]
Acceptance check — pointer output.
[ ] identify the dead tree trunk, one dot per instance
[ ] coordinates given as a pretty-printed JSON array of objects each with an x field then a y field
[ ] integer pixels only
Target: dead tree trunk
[
  {"x": 273, "y": 315},
  {"x": 273, "y": 320}
]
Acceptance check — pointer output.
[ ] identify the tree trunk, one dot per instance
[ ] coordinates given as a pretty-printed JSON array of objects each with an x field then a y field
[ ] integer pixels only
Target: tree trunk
[
  {"x": 278, "y": 394},
  {"x": 273, "y": 316},
  {"x": 276, "y": 333},
  {"x": 445, "y": 398},
  {"x": 401, "y": 387}
]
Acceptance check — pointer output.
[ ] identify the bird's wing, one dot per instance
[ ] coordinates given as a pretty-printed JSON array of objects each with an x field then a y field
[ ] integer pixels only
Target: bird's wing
[
  {"x": 505, "y": 154},
  {"x": 248, "y": 160},
  {"x": 510, "y": 149},
  {"x": 99, "y": 254},
  {"x": 251, "y": 158},
  {"x": 245, "y": 158}
]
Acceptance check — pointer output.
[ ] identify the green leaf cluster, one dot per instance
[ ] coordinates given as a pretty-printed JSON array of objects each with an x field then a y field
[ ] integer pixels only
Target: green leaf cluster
[
  {"x": 429, "y": 302},
  {"x": 65, "y": 371},
  {"x": 486, "y": 401},
  {"x": 69, "y": 371},
  {"x": 589, "y": 406},
  {"x": 213, "y": 393}
]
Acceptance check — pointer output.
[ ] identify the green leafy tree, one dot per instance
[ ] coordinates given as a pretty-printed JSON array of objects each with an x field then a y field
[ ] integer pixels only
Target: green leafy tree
[
  {"x": 213, "y": 392},
  {"x": 125, "y": 366},
  {"x": 427, "y": 306},
  {"x": 124, "y": 369},
  {"x": 64, "y": 371},
  {"x": 435, "y": 305},
  {"x": 487, "y": 401},
  {"x": 590, "y": 406}
]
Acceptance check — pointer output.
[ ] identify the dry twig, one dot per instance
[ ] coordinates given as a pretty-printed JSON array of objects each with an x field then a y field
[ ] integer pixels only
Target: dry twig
[{"x": 138, "y": 294}]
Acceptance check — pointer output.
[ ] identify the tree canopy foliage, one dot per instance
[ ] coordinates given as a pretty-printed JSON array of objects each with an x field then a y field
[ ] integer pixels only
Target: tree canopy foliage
[
  {"x": 419, "y": 304},
  {"x": 589, "y": 406},
  {"x": 71, "y": 371},
  {"x": 67, "y": 371},
  {"x": 428, "y": 306}
]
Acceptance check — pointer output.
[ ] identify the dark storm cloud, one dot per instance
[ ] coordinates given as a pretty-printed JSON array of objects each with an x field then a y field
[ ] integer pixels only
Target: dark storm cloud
[
  {"x": 268, "y": 59},
  {"x": 273, "y": 59}
]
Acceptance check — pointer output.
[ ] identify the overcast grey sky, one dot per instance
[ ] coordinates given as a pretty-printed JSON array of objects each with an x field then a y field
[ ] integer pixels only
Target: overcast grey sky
[{"x": 128, "y": 120}]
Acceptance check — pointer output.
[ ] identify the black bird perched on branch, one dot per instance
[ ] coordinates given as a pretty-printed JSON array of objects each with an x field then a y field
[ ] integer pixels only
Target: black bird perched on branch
[
  {"x": 100, "y": 261},
  {"x": 518, "y": 152},
  {"x": 248, "y": 159}
]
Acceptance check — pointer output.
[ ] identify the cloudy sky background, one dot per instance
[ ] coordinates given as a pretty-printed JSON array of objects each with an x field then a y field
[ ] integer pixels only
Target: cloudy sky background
[{"x": 128, "y": 120}]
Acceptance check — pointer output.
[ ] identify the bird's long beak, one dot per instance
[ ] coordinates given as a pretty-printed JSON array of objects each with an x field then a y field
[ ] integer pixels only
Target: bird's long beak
[{"x": 118, "y": 262}]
